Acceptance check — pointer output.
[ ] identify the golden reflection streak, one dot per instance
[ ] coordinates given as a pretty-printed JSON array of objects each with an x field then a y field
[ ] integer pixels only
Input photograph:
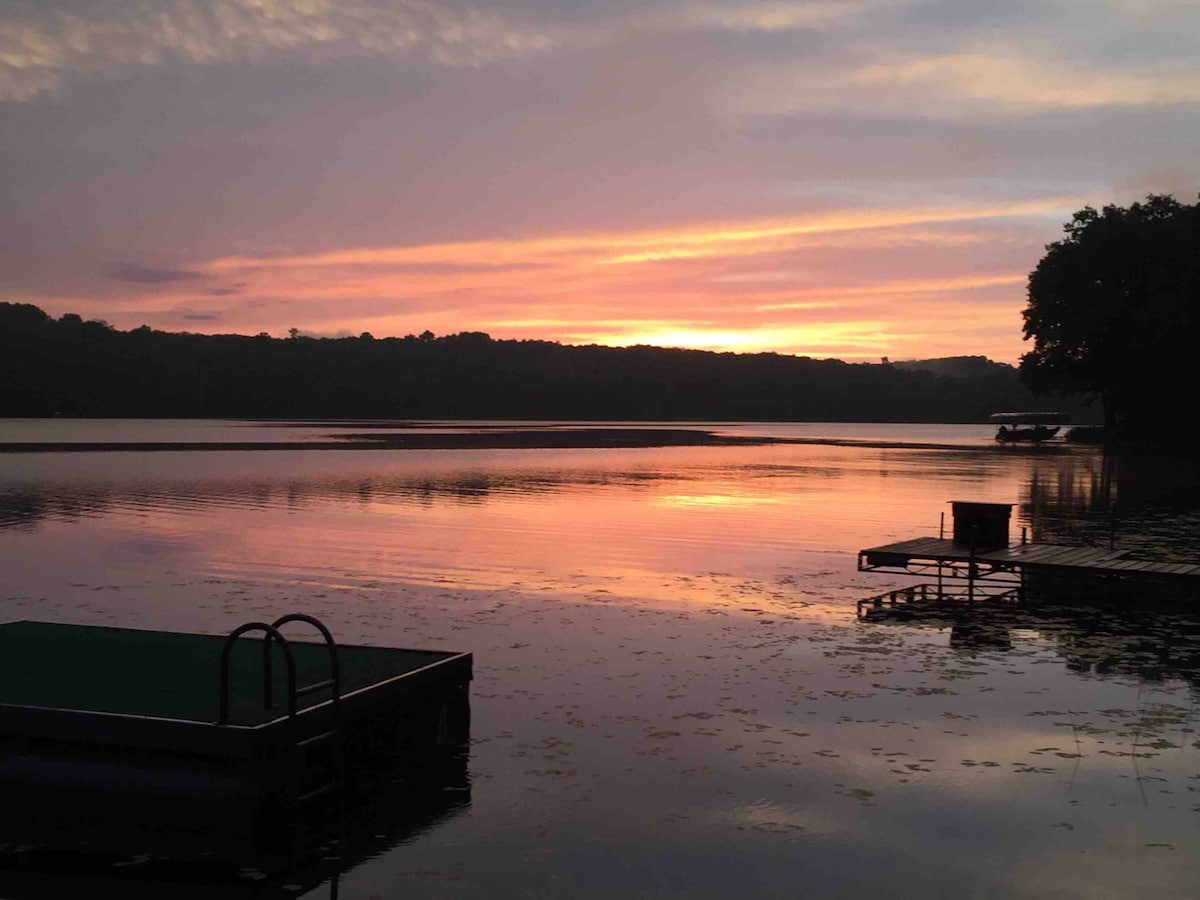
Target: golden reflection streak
[{"x": 728, "y": 501}]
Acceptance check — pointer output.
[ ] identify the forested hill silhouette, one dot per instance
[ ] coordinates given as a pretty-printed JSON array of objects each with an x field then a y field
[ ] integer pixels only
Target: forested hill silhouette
[{"x": 74, "y": 367}]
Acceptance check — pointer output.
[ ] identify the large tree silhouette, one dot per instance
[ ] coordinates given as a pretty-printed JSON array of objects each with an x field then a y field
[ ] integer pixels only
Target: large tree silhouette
[{"x": 1114, "y": 313}]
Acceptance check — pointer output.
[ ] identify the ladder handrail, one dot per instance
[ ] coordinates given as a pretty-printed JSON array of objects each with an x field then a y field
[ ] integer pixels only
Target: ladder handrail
[
  {"x": 271, "y": 633},
  {"x": 334, "y": 682}
]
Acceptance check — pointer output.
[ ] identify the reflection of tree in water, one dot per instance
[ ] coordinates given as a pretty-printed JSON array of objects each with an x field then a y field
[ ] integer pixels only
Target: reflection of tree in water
[
  {"x": 1068, "y": 500},
  {"x": 25, "y": 506},
  {"x": 19, "y": 508},
  {"x": 1147, "y": 504},
  {"x": 1149, "y": 644},
  {"x": 1158, "y": 510}
]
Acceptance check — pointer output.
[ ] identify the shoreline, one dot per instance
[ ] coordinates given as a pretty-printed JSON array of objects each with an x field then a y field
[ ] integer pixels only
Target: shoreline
[{"x": 520, "y": 439}]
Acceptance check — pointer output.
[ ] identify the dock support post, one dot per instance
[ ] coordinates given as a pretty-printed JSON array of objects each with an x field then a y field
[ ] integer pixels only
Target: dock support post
[
  {"x": 941, "y": 537},
  {"x": 971, "y": 569}
]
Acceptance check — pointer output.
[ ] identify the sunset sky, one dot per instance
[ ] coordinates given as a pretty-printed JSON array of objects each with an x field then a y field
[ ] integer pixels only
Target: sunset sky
[{"x": 845, "y": 178}]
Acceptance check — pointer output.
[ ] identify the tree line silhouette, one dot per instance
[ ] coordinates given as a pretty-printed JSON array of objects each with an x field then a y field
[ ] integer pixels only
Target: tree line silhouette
[{"x": 71, "y": 367}]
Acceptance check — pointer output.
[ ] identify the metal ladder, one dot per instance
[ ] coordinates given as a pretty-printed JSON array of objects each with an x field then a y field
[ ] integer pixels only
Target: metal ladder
[{"x": 303, "y": 790}]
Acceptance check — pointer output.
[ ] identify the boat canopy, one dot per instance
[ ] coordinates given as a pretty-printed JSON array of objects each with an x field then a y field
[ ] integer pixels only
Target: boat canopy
[{"x": 1029, "y": 418}]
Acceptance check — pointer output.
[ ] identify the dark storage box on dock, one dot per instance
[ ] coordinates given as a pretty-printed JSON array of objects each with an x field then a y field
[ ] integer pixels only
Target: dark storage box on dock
[{"x": 983, "y": 525}]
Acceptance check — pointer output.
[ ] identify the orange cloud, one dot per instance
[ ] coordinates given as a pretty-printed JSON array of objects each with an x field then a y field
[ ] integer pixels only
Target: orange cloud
[
  {"x": 717, "y": 239},
  {"x": 853, "y": 284},
  {"x": 732, "y": 286}
]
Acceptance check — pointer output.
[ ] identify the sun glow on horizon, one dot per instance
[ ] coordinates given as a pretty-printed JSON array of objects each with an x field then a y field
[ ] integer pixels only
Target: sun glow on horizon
[
  {"x": 848, "y": 284},
  {"x": 830, "y": 178},
  {"x": 848, "y": 340}
]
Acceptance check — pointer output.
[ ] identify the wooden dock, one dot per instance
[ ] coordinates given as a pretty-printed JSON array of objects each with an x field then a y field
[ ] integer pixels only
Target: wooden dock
[{"x": 946, "y": 558}]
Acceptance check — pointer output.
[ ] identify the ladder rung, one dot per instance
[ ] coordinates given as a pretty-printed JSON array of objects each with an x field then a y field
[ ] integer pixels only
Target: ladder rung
[{"x": 316, "y": 686}]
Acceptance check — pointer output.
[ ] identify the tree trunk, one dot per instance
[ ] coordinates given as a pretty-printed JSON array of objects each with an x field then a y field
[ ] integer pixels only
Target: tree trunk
[{"x": 1109, "y": 404}]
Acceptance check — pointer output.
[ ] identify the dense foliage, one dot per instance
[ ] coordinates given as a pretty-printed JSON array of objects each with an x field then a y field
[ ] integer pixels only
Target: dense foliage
[
  {"x": 72, "y": 367},
  {"x": 1114, "y": 312}
]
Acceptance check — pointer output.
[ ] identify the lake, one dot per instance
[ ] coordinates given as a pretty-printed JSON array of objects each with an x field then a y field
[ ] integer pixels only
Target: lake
[{"x": 674, "y": 695}]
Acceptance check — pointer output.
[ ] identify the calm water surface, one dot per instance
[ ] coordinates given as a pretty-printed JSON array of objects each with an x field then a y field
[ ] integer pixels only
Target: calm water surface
[{"x": 674, "y": 696}]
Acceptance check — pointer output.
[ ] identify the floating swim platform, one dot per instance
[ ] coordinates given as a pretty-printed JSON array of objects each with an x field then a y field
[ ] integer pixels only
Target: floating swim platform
[
  {"x": 161, "y": 690},
  {"x": 233, "y": 743}
]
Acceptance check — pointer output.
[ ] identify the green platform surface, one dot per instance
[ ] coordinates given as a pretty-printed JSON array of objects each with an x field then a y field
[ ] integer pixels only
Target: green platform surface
[{"x": 175, "y": 676}]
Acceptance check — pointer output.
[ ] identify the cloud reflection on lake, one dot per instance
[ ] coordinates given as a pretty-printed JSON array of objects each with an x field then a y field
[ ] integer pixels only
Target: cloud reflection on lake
[{"x": 674, "y": 695}]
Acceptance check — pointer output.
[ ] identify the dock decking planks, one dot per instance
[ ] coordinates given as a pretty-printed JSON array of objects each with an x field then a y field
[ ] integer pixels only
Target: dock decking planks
[{"x": 930, "y": 551}]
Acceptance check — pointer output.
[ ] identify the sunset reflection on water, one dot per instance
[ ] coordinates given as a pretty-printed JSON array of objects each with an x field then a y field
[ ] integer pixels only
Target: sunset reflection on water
[{"x": 674, "y": 695}]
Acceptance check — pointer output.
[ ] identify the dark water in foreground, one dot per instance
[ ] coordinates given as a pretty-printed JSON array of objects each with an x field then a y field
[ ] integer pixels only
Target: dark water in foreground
[{"x": 674, "y": 696}]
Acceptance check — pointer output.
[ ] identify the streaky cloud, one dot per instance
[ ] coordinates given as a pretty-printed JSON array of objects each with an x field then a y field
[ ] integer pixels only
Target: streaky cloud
[{"x": 40, "y": 52}]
